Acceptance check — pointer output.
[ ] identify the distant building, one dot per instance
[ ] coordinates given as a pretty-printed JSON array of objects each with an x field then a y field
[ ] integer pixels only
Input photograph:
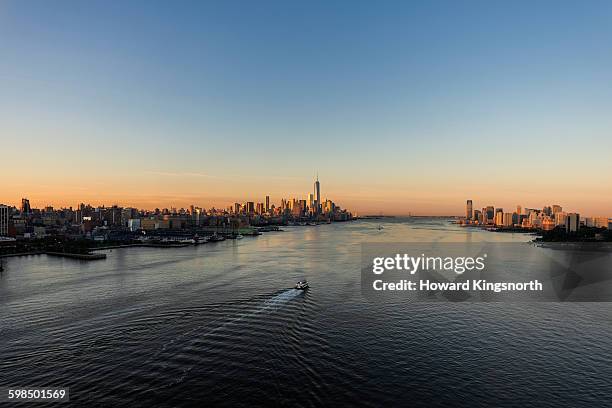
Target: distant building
[
  {"x": 490, "y": 214},
  {"x": 250, "y": 207},
  {"x": 499, "y": 217},
  {"x": 4, "y": 220},
  {"x": 600, "y": 222},
  {"x": 548, "y": 224},
  {"x": 572, "y": 222},
  {"x": 267, "y": 203},
  {"x": 469, "y": 212},
  {"x": 507, "y": 219},
  {"x": 317, "y": 194},
  {"x": 25, "y": 206},
  {"x": 560, "y": 218},
  {"x": 556, "y": 209},
  {"x": 134, "y": 224}
]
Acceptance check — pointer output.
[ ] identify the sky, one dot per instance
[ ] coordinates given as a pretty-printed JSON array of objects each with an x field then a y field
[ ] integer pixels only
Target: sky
[{"x": 400, "y": 106}]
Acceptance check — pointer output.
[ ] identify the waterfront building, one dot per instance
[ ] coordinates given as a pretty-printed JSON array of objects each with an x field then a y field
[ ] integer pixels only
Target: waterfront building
[
  {"x": 469, "y": 210},
  {"x": 499, "y": 217},
  {"x": 548, "y": 223},
  {"x": 317, "y": 194},
  {"x": 267, "y": 203},
  {"x": 534, "y": 218},
  {"x": 507, "y": 219},
  {"x": 478, "y": 216},
  {"x": 560, "y": 218},
  {"x": 490, "y": 214},
  {"x": 4, "y": 220},
  {"x": 516, "y": 218},
  {"x": 519, "y": 210},
  {"x": 572, "y": 222}
]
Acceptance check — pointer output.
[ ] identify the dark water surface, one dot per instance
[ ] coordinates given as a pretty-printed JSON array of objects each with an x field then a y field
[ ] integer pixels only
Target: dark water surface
[{"x": 219, "y": 324}]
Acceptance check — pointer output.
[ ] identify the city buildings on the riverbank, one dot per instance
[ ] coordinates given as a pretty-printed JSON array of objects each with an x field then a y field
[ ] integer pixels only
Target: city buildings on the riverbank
[
  {"x": 88, "y": 221},
  {"x": 545, "y": 219}
]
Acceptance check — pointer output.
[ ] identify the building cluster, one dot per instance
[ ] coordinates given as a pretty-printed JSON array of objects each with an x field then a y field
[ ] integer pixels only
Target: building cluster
[
  {"x": 98, "y": 222},
  {"x": 544, "y": 219}
]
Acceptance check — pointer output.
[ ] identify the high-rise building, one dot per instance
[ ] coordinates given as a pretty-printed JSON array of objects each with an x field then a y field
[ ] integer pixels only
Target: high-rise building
[
  {"x": 317, "y": 194},
  {"x": 519, "y": 210},
  {"x": 556, "y": 209},
  {"x": 469, "y": 213},
  {"x": 572, "y": 222},
  {"x": 267, "y": 203},
  {"x": 560, "y": 218},
  {"x": 490, "y": 214},
  {"x": 499, "y": 216},
  {"x": 250, "y": 207},
  {"x": 25, "y": 206},
  {"x": 4, "y": 220}
]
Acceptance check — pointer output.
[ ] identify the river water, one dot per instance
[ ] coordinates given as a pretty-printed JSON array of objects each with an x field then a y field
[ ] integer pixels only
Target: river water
[{"x": 219, "y": 324}]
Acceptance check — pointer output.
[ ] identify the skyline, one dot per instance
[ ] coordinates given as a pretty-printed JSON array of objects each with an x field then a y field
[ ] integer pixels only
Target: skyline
[
  {"x": 401, "y": 107},
  {"x": 306, "y": 197}
]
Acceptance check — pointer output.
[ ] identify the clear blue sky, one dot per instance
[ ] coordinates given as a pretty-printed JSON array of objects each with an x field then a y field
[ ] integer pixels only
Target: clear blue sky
[{"x": 400, "y": 106}]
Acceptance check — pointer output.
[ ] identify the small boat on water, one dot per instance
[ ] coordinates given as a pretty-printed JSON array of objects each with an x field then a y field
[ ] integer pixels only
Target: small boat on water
[
  {"x": 239, "y": 236},
  {"x": 380, "y": 227},
  {"x": 302, "y": 285},
  {"x": 216, "y": 238}
]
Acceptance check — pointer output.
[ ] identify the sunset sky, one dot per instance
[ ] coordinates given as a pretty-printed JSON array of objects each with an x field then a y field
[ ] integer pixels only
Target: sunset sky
[{"x": 399, "y": 106}]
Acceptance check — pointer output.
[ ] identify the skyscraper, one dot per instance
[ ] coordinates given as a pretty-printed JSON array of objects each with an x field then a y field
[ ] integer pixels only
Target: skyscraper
[
  {"x": 317, "y": 194},
  {"x": 267, "y": 203},
  {"x": 250, "y": 207},
  {"x": 490, "y": 211},
  {"x": 468, "y": 210},
  {"x": 572, "y": 222},
  {"x": 4, "y": 219},
  {"x": 25, "y": 206}
]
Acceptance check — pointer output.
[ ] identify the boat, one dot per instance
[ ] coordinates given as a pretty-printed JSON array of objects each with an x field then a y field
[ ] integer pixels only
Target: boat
[
  {"x": 239, "y": 236},
  {"x": 302, "y": 285},
  {"x": 216, "y": 238},
  {"x": 380, "y": 227}
]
